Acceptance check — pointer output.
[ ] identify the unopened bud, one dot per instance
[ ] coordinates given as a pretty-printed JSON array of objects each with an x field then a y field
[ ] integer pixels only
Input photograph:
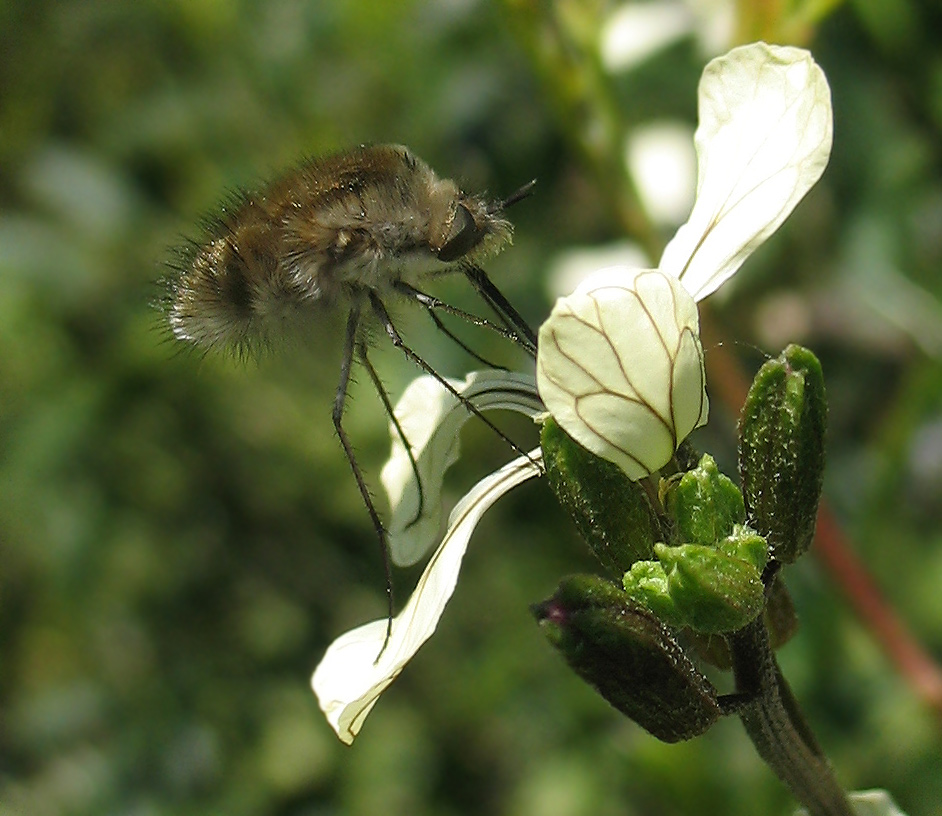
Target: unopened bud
[
  {"x": 714, "y": 592},
  {"x": 781, "y": 451},
  {"x": 704, "y": 503},
  {"x": 646, "y": 584},
  {"x": 780, "y": 620},
  {"x": 629, "y": 657}
]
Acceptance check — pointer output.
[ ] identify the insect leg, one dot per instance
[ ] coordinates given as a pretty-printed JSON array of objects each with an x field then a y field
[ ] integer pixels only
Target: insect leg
[
  {"x": 432, "y": 302},
  {"x": 400, "y": 344},
  {"x": 339, "y": 402},
  {"x": 378, "y": 385},
  {"x": 496, "y": 300},
  {"x": 459, "y": 342}
]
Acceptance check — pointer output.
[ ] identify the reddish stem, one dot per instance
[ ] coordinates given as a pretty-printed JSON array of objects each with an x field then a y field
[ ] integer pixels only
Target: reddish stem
[{"x": 914, "y": 663}]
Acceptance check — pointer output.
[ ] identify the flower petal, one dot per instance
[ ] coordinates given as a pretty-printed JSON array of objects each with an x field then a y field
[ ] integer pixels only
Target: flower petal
[
  {"x": 356, "y": 668},
  {"x": 869, "y": 803},
  {"x": 620, "y": 367},
  {"x": 764, "y": 139},
  {"x": 431, "y": 418}
]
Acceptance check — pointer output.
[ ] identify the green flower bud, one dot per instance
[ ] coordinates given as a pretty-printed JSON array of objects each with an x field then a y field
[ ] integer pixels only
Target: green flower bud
[
  {"x": 780, "y": 620},
  {"x": 704, "y": 503},
  {"x": 611, "y": 512},
  {"x": 709, "y": 589},
  {"x": 781, "y": 451},
  {"x": 646, "y": 584},
  {"x": 629, "y": 657},
  {"x": 713, "y": 591},
  {"x": 780, "y": 617},
  {"x": 747, "y": 545}
]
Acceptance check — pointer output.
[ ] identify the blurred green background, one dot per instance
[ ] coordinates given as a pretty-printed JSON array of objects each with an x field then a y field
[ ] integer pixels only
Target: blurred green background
[{"x": 179, "y": 536}]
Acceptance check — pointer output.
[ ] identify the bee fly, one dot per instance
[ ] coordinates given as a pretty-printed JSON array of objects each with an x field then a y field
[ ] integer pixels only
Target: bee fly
[{"x": 350, "y": 231}]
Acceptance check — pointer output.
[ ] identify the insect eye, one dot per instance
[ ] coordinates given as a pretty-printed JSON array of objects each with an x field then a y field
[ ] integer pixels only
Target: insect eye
[{"x": 463, "y": 236}]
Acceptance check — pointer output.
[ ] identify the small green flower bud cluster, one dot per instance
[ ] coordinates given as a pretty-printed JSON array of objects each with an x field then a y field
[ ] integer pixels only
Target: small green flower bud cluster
[{"x": 711, "y": 582}]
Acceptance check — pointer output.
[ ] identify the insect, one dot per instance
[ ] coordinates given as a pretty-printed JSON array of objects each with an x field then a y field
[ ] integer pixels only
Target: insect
[{"x": 347, "y": 232}]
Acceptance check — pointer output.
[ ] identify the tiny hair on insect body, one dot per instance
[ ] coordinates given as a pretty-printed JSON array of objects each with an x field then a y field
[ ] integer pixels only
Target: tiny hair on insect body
[{"x": 346, "y": 233}]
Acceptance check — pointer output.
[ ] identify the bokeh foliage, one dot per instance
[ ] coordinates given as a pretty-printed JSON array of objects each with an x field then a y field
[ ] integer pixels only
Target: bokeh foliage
[{"x": 179, "y": 538}]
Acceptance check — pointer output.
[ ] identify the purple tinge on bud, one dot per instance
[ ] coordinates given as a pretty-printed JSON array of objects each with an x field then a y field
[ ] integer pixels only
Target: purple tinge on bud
[{"x": 629, "y": 657}]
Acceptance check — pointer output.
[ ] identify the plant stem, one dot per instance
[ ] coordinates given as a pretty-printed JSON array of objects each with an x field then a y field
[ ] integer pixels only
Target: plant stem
[{"x": 777, "y": 728}]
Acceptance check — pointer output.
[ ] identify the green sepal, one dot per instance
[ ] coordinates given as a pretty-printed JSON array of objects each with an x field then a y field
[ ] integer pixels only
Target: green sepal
[
  {"x": 780, "y": 617},
  {"x": 704, "y": 503},
  {"x": 781, "y": 451},
  {"x": 714, "y": 592},
  {"x": 611, "y": 512},
  {"x": 629, "y": 657},
  {"x": 746, "y": 545},
  {"x": 780, "y": 620}
]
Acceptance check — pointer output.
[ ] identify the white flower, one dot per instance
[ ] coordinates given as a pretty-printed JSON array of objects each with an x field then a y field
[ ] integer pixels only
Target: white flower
[
  {"x": 431, "y": 419},
  {"x": 763, "y": 141},
  {"x": 634, "y": 402},
  {"x": 869, "y": 803},
  {"x": 357, "y": 668},
  {"x": 620, "y": 365}
]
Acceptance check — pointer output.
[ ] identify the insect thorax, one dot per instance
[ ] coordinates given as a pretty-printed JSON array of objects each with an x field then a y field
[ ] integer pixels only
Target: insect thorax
[{"x": 327, "y": 234}]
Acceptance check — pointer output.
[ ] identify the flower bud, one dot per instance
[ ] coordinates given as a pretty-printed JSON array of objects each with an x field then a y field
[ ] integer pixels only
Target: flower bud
[
  {"x": 629, "y": 657},
  {"x": 611, "y": 512},
  {"x": 745, "y": 544},
  {"x": 781, "y": 451},
  {"x": 714, "y": 592},
  {"x": 646, "y": 584},
  {"x": 704, "y": 503},
  {"x": 620, "y": 367},
  {"x": 780, "y": 620}
]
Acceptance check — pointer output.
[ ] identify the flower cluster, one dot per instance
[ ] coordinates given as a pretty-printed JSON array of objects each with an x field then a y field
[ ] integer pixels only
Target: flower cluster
[{"x": 620, "y": 365}]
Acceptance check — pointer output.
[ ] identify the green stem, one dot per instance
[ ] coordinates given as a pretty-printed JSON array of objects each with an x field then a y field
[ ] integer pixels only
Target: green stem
[{"x": 777, "y": 728}]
